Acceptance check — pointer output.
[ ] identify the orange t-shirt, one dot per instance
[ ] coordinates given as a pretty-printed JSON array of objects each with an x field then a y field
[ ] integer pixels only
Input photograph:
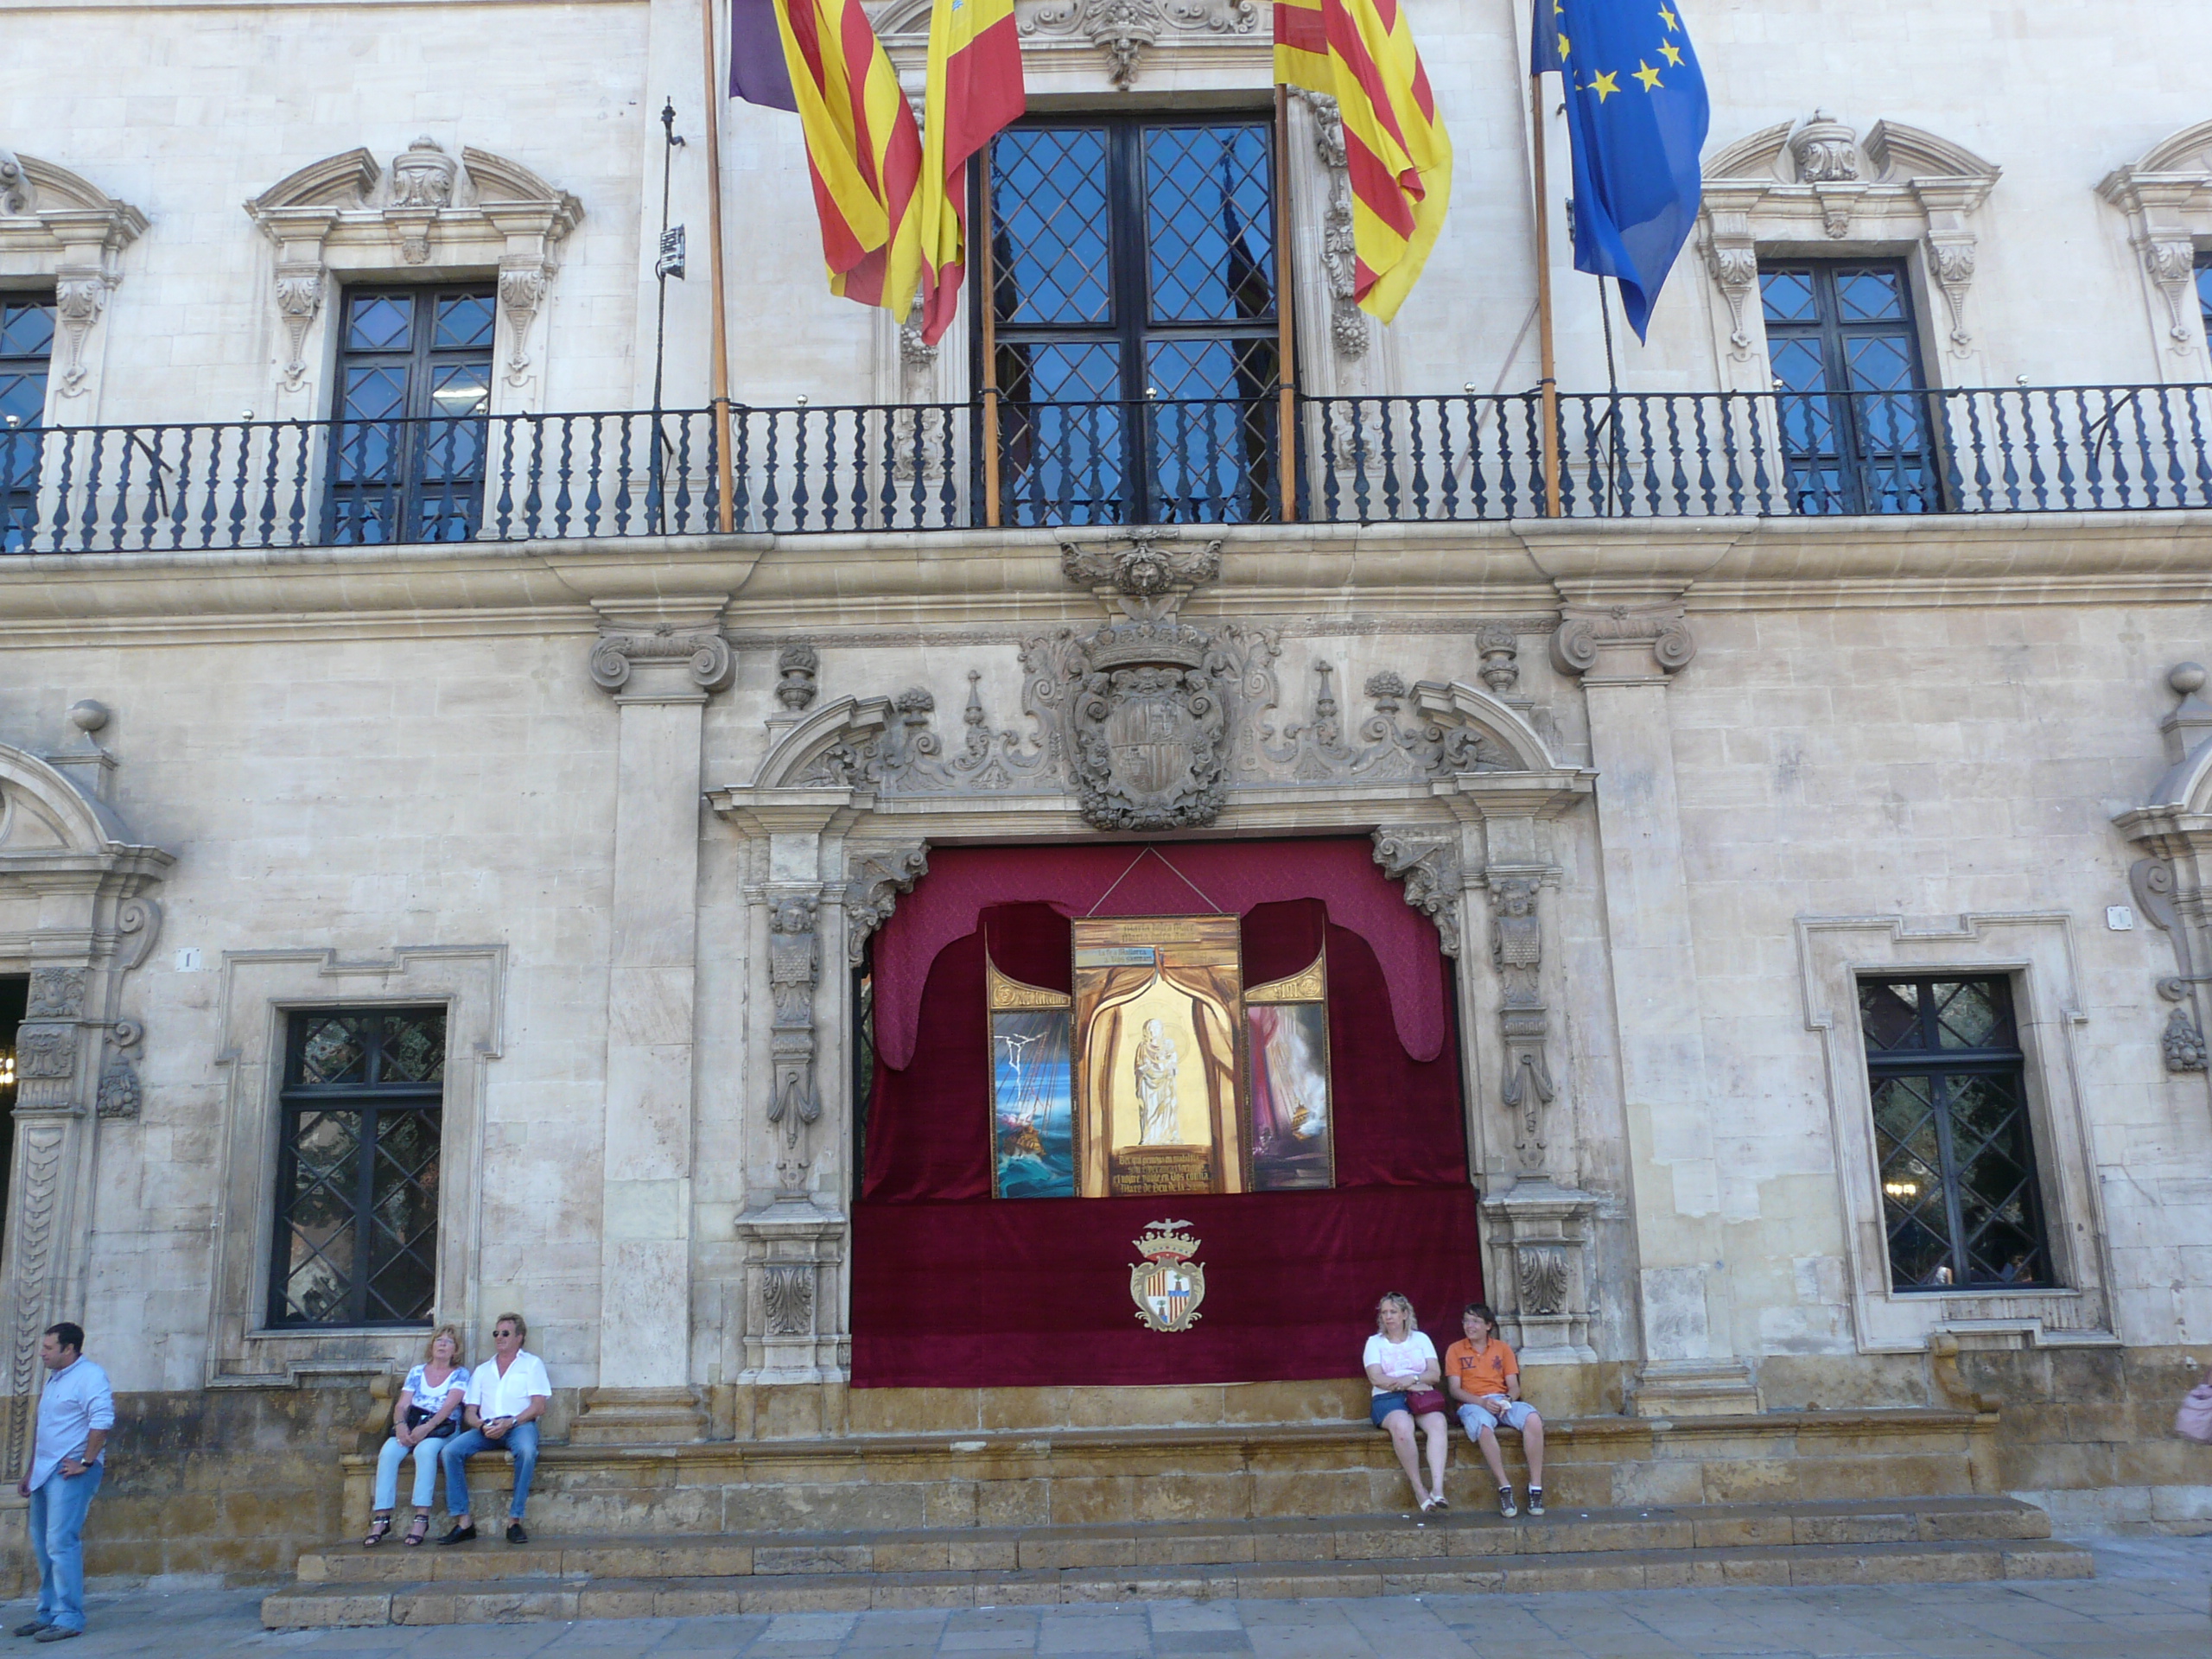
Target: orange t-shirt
[{"x": 1480, "y": 1372}]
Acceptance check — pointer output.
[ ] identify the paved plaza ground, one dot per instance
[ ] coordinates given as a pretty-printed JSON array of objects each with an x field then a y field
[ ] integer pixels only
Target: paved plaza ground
[{"x": 2148, "y": 1601}]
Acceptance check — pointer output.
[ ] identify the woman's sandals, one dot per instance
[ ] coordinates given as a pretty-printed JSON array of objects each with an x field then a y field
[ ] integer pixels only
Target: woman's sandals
[
  {"x": 379, "y": 1528},
  {"x": 420, "y": 1530}
]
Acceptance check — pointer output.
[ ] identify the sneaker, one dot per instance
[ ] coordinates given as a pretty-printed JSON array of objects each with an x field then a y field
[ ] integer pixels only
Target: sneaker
[
  {"x": 460, "y": 1535},
  {"x": 31, "y": 1628},
  {"x": 1535, "y": 1500},
  {"x": 516, "y": 1535},
  {"x": 1505, "y": 1502}
]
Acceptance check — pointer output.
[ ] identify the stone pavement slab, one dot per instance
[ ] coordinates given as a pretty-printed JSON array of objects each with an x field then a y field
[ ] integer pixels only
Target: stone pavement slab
[{"x": 2150, "y": 1601}]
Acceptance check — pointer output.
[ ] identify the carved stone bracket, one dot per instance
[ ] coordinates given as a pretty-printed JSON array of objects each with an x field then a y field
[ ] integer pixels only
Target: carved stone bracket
[
  {"x": 687, "y": 665},
  {"x": 880, "y": 875},
  {"x": 1427, "y": 862},
  {"x": 57, "y": 225},
  {"x": 1124, "y": 31},
  {"x": 1791, "y": 184},
  {"x": 2167, "y": 197},
  {"x": 1630, "y": 643}
]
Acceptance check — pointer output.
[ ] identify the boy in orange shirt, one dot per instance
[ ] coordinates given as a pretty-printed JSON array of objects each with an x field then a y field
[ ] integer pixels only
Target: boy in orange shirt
[{"x": 1485, "y": 1377}]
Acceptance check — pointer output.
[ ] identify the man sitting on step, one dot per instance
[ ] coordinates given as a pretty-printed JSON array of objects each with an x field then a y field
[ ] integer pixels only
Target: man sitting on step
[
  {"x": 507, "y": 1394},
  {"x": 1485, "y": 1377}
]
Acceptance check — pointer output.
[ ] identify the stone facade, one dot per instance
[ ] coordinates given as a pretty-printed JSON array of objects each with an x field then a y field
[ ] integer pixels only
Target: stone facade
[{"x": 630, "y": 810}]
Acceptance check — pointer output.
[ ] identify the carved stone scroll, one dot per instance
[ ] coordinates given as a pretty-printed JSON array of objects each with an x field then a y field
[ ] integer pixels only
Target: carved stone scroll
[
  {"x": 1427, "y": 862},
  {"x": 879, "y": 876}
]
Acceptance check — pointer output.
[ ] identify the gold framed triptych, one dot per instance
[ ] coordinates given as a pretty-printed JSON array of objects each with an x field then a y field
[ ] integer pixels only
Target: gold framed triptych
[{"x": 1163, "y": 1073}]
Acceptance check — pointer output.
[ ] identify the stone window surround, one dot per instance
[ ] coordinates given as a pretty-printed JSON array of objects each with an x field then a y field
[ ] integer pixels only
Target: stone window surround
[
  {"x": 1816, "y": 189},
  {"x": 2035, "y": 950},
  {"x": 61, "y": 233},
  {"x": 261, "y": 989},
  {"x": 429, "y": 218},
  {"x": 2167, "y": 198}
]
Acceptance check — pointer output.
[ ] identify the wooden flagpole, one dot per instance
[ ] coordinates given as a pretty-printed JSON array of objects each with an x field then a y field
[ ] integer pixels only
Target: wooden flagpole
[
  {"x": 1287, "y": 337},
  {"x": 1547, "y": 386},
  {"x": 987, "y": 320},
  {"x": 720, "y": 366}
]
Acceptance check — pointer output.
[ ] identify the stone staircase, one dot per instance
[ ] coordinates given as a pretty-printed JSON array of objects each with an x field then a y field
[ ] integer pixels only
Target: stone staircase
[
  {"x": 1930, "y": 1540},
  {"x": 1310, "y": 1507}
]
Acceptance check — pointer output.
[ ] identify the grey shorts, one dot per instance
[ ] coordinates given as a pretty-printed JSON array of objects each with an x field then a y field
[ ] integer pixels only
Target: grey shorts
[{"x": 1513, "y": 1415}]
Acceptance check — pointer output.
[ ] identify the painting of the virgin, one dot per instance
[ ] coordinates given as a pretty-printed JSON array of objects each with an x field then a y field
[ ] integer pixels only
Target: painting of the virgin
[
  {"x": 1287, "y": 1025},
  {"x": 1157, "y": 1089}
]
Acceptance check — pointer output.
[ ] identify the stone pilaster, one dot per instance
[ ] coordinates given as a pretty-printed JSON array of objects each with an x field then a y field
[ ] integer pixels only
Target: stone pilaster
[{"x": 660, "y": 660}]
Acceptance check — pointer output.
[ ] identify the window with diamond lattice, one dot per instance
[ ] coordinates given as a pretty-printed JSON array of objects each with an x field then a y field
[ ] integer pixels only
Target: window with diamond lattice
[
  {"x": 26, "y": 349},
  {"x": 409, "y": 434},
  {"x": 357, "y": 1178},
  {"x": 1960, "y": 1198},
  {"x": 1135, "y": 310},
  {"x": 1846, "y": 359}
]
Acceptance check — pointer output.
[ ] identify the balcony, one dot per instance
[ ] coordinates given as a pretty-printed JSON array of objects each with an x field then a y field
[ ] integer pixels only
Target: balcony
[{"x": 795, "y": 471}]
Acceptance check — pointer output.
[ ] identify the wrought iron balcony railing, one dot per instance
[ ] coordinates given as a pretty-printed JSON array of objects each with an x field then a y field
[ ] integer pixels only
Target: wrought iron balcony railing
[{"x": 921, "y": 467}]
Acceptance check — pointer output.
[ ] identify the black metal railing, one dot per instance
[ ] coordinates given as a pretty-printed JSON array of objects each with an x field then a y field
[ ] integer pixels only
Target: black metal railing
[{"x": 920, "y": 466}]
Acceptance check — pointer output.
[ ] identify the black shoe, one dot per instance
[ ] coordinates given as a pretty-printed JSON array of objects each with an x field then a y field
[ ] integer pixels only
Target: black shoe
[
  {"x": 516, "y": 1535},
  {"x": 31, "y": 1628},
  {"x": 460, "y": 1535}
]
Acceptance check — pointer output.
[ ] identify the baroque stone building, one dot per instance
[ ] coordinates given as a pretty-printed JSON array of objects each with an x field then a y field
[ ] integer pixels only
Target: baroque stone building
[{"x": 442, "y": 870}]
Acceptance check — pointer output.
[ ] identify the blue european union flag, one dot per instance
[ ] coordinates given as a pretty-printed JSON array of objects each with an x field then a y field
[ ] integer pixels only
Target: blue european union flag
[{"x": 1638, "y": 113}]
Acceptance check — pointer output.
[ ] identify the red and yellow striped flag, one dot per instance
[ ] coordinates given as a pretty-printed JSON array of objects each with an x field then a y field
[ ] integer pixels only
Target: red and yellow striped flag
[
  {"x": 1360, "y": 53},
  {"x": 975, "y": 89},
  {"x": 862, "y": 148}
]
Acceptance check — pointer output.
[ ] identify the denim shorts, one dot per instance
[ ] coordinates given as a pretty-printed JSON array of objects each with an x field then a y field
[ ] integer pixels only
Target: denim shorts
[
  {"x": 1514, "y": 1415},
  {"x": 1384, "y": 1404}
]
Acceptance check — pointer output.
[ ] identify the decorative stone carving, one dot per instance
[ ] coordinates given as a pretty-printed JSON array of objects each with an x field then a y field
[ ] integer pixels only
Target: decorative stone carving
[
  {"x": 2167, "y": 197},
  {"x": 44, "y": 1054},
  {"x": 119, "y": 1094},
  {"x": 36, "y": 1229},
  {"x": 138, "y": 921},
  {"x": 343, "y": 212},
  {"x": 1146, "y": 566},
  {"x": 15, "y": 187},
  {"x": 617, "y": 655},
  {"x": 77, "y": 300},
  {"x": 787, "y": 1298},
  {"x": 55, "y": 225},
  {"x": 1543, "y": 1272},
  {"x": 1619, "y": 632},
  {"x": 2183, "y": 1042},
  {"x": 1900, "y": 184},
  {"x": 1427, "y": 862},
  {"x": 1348, "y": 330},
  {"x": 56, "y": 993},
  {"x": 1500, "y": 645},
  {"x": 1125, "y": 29},
  {"x": 1539, "y": 1235},
  {"x": 1516, "y": 949},
  {"x": 879, "y": 876},
  {"x": 794, "y": 969},
  {"x": 797, "y": 663}
]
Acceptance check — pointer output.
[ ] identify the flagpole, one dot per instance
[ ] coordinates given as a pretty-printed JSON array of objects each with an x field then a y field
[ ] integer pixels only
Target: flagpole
[
  {"x": 1547, "y": 386},
  {"x": 1286, "y": 335},
  {"x": 987, "y": 308},
  {"x": 720, "y": 365}
]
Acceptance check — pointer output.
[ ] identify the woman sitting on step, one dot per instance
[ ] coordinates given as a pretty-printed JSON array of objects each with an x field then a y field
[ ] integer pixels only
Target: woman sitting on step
[
  {"x": 1402, "y": 1374},
  {"x": 423, "y": 1418}
]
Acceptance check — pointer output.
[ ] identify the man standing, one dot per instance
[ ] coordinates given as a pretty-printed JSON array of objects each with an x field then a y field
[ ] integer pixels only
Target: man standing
[
  {"x": 506, "y": 1397},
  {"x": 74, "y": 1416}
]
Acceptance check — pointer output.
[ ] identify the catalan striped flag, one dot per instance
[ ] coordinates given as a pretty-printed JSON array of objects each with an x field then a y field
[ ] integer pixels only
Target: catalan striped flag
[
  {"x": 863, "y": 148},
  {"x": 975, "y": 89},
  {"x": 1399, "y": 157}
]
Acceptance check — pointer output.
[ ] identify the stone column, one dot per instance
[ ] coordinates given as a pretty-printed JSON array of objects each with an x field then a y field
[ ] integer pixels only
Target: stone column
[
  {"x": 1626, "y": 654},
  {"x": 660, "y": 660}
]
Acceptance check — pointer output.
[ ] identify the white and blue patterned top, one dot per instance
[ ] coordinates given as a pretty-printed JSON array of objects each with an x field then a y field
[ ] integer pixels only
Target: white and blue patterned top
[{"x": 427, "y": 1397}]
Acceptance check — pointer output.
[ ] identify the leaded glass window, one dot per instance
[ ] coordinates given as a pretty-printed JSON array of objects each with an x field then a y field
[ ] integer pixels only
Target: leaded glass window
[
  {"x": 357, "y": 1178},
  {"x": 1846, "y": 358},
  {"x": 26, "y": 349},
  {"x": 1134, "y": 306},
  {"x": 2204, "y": 291},
  {"x": 409, "y": 433},
  {"x": 1960, "y": 1198}
]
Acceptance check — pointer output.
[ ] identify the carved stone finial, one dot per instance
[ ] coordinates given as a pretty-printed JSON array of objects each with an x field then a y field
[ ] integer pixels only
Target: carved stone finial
[
  {"x": 1500, "y": 645},
  {"x": 1826, "y": 152},
  {"x": 423, "y": 175},
  {"x": 797, "y": 663}
]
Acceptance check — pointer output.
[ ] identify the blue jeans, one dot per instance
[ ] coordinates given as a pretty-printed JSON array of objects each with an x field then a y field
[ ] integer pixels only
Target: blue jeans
[
  {"x": 57, "y": 1524},
  {"x": 425, "y": 1453},
  {"x": 521, "y": 1440}
]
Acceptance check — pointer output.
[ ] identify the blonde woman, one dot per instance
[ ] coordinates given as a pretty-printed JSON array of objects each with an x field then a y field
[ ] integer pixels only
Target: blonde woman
[
  {"x": 424, "y": 1415},
  {"x": 1402, "y": 1372}
]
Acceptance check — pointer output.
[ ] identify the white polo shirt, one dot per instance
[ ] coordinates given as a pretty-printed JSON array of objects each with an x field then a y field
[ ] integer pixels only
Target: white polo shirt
[{"x": 494, "y": 1396}]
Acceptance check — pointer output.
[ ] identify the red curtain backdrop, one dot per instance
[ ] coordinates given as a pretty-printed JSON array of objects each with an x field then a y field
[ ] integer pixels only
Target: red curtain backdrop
[{"x": 953, "y": 1288}]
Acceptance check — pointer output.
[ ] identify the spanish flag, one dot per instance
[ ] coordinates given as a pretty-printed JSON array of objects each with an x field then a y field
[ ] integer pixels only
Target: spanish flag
[
  {"x": 975, "y": 89},
  {"x": 1360, "y": 53},
  {"x": 863, "y": 148}
]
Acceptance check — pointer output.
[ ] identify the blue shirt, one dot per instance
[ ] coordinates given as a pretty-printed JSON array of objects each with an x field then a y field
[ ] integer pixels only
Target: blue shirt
[{"x": 77, "y": 1400}]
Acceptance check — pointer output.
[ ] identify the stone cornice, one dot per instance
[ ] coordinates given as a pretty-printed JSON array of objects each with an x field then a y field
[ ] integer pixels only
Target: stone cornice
[{"x": 828, "y": 583}]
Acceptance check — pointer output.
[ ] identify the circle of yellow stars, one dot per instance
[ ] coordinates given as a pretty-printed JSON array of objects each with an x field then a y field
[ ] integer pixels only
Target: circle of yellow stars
[{"x": 1607, "y": 84}]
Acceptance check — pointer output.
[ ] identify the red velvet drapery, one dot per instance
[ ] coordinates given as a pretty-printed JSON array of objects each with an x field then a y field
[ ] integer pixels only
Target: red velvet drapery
[{"x": 954, "y": 1288}]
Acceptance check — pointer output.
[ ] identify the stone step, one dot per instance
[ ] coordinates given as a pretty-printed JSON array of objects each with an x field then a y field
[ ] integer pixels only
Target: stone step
[{"x": 513, "y": 1600}]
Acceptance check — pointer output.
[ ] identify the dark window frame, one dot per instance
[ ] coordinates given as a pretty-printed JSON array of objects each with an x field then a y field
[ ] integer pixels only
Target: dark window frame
[
  {"x": 372, "y": 1097},
  {"x": 1153, "y": 438},
  {"x": 1877, "y": 433},
  {"x": 22, "y": 446},
  {"x": 1935, "y": 1064},
  {"x": 440, "y": 472}
]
